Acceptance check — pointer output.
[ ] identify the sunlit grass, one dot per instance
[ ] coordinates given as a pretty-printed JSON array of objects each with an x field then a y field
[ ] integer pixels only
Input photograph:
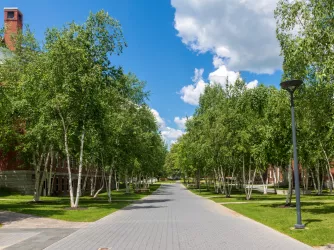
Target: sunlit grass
[
  {"x": 318, "y": 218},
  {"x": 57, "y": 207}
]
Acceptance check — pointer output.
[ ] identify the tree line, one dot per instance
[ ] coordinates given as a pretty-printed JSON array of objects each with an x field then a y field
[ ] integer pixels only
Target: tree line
[
  {"x": 237, "y": 133},
  {"x": 65, "y": 99}
]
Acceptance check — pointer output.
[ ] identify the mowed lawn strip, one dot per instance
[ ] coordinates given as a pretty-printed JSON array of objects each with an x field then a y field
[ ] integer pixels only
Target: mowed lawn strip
[
  {"x": 58, "y": 207},
  {"x": 317, "y": 213},
  {"x": 239, "y": 196},
  {"x": 318, "y": 218}
]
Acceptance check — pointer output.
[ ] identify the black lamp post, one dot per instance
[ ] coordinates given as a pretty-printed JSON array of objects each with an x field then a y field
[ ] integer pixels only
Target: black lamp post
[{"x": 291, "y": 86}]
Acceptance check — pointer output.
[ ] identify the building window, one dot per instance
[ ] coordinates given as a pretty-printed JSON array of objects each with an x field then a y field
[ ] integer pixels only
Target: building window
[
  {"x": 20, "y": 17},
  {"x": 10, "y": 14},
  {"x": 63, "y": 184},
  {"x": 57, "y": 188}
]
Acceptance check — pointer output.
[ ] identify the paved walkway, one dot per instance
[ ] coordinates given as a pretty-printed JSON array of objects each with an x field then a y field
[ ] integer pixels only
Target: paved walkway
[
  {"x": 174, "y": 218},
  {"x": 25, "y": 232}
]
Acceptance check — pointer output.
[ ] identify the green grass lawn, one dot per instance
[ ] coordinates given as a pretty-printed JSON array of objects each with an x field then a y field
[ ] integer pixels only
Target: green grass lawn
[
  {"x": 318, "y": 218},
  {"x": 317, "y": 213},
  {"x": 57, "y": 207},
  {"x": 239, "y": 196}
]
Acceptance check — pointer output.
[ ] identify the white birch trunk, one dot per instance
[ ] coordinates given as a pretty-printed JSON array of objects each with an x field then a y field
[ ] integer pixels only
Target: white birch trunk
[
  {"x": 251, "y": 179},
  {"x": 127, "y": 188},
  {"x": 41, "y": 183},
  {"x": 331, "y": 181},
  {"x": 275, "y": 180},
  {"x": 243, "y": 171},
  {"x": 215, "y": 184},
  {"x": 85, "y": 182},
  {"x": 93, "y": 182},
  {"x": 305, "y": 180},
  {"x": 265, "y": 184},
  {"x": 109, "y": 185},
  {"x": 50, "y": 174},
  {"x": 68, "y": 160},
  {"x": 117, "y": 181},
  {"x": 138, "y": 180},
  {"x": 223, "y": 181},
  {"x": 80, "y": 168},
  {"x": 314, "y": 183},
  {"x": 102, "y": 186},
  {"x": 322, "y": 180},
  {"x": 317, "y": 170},
  {"x": 37, "y": 166}
]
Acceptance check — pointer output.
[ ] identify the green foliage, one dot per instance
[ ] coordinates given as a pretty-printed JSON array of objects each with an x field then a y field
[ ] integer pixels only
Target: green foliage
[
  {"x": 234, "y": 133},
  {"x": 67, "y": 97},
  {"x": 305, "y": 33}
]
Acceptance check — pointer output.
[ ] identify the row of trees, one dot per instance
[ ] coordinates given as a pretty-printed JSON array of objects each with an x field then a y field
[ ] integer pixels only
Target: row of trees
[
  {"x": 237, "y": 133},
  {"x": 66, "y": 100}
]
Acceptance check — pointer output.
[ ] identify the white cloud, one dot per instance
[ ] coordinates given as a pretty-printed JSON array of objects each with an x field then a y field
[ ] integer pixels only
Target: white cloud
[
  {"x": 252, "y": 84},
  {"x": 198, "y": 75},
  {"x": 242, "y": 31},
  {"x": 217, "y": 62},
  {"x": 191, "y": 93},
  {"x": 170, "y": 135},
  {"x": 222, "y": 75},
  {"x": 181, "y": 122},
  {"x": 157, "y": 116}
]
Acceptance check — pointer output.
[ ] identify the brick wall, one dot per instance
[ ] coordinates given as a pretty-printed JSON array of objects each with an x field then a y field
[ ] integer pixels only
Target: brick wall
[{"x": 20, "y": 180}]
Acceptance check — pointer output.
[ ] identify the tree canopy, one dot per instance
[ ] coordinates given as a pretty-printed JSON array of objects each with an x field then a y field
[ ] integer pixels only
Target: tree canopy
[{"x": 67, "y": 97}]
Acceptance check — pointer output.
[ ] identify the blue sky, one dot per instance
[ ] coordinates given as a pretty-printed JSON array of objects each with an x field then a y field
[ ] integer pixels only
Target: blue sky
[{"x": 169, "y": 39}]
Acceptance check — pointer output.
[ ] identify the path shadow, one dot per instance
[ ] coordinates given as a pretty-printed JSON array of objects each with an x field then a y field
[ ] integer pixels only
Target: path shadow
[
  {"x": 9, "y": 217},
  {"x": 278, "y": 205},
  {"x": 134, "y": 207},
  {"x": 165, "y": 186},
  {"x": 318, "y": 208},
  {"x": 163, "y": 190},
  {"x": 151, "y": 201},
  {"x": 308, "y": 207},
  {"x": 162, "y": 193},
  {"x": 308, "y": 221}
]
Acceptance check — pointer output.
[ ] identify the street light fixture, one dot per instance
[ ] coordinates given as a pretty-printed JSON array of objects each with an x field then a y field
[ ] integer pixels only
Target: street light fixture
[{"x": 291, "y": 86}]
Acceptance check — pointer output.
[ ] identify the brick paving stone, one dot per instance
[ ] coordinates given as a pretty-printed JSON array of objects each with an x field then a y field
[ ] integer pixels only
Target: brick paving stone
[
  {"x": 9, "y": 238},
  {"x": 175, "y": 218},
  {"x": 31, "y": 239}
]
